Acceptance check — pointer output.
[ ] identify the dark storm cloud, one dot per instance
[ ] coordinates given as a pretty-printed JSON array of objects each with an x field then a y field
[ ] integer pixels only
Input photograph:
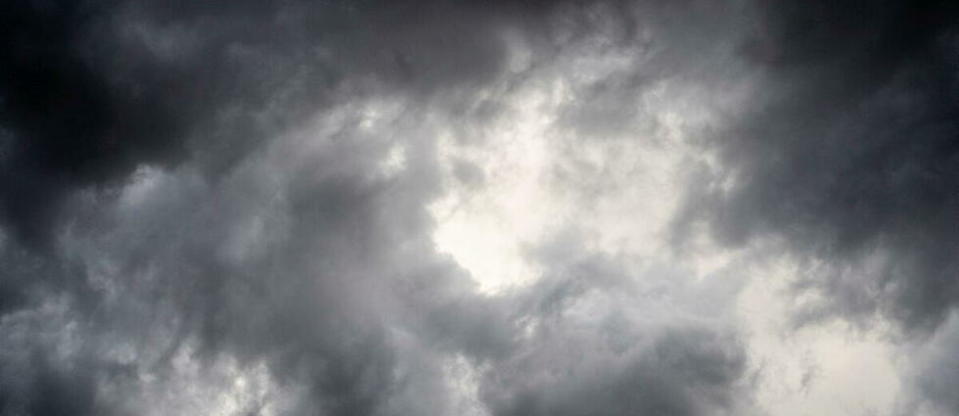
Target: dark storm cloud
[
  {"x": 850, "y": 153},
  {"x": 62, "y": 121},
  {"x": 848, "y": 156},
  {"x": 290, "y": 267},
  {"x": 184, "y": 185},
  {"x": 231, "y": 251},
  {"x": 36, "y": 380},
  {"x": 91, "y": 90},
  {"x": 312, "y": 264}
]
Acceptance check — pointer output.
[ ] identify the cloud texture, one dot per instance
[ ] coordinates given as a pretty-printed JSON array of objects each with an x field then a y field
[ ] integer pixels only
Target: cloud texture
[{"x": 298, "y": 208}]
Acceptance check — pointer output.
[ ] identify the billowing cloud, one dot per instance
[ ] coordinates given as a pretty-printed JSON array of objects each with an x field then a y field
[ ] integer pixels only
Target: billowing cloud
[
  {"x": 848, "y": 153},
  {"x": 484, "y": 208},
  {"x": 846, "y": 157}
]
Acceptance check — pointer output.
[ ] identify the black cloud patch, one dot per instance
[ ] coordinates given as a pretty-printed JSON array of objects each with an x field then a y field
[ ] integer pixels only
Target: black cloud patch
[
  {"x": 227, "y": 248},
  {"x": 90, "y": 91},
  {"x": 63, "y": 124},
  {"x": 850, "y": 153}
]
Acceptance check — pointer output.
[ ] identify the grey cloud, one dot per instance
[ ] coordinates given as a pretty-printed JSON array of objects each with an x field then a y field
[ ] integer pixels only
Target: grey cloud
[
  {"x": 598, "y": 337},
  {"x": 848, "y": 154},
  {"x": 645, "y": 48},
  {"x": 307, "y": 293},
  {"x": 190, "y": 195},
  {"x": 846, "y": 157},
  {"x": 311, "y": 264},
  {"x": 934, "y": 373},
  {"x": 91, "y": 91},
  {"x": 229, "y": 255},
  {"x": 684, "y": 372}
]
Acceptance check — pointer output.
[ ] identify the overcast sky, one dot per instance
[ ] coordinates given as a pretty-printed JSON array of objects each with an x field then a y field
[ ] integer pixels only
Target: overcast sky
[{"x": 479, "y": 208}]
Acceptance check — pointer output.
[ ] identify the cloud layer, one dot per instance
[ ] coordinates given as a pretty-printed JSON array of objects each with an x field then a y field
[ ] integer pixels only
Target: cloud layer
[{"x": 448, "y": 207}]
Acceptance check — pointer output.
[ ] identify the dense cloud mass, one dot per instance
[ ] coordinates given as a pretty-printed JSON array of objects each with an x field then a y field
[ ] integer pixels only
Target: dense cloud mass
[
  {"x": 850, "y": 154},
  {"x": 466, "y": 207}
]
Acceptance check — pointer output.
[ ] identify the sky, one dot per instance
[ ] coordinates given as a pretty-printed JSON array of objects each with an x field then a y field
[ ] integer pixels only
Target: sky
[{"x": 479, "y": 208}]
